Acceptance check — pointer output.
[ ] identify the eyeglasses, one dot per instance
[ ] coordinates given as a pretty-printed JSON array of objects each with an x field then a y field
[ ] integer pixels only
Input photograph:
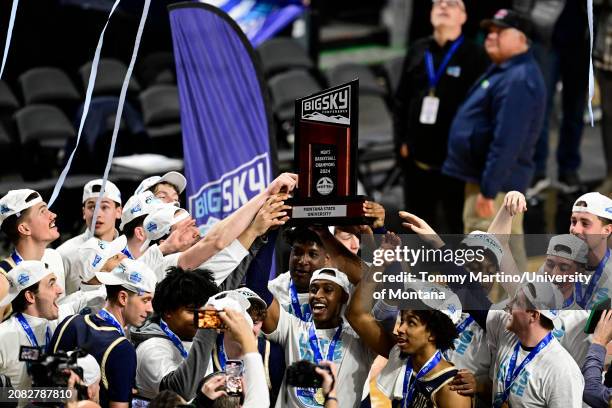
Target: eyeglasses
[{"x": 449, "y": 3}]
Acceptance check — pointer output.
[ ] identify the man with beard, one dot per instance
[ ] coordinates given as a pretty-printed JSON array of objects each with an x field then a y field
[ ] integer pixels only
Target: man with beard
[
  {"x": 34, "y": 292},
  {"x": 326, "y": 337},
  {"x": 129, "y": 288},
  {"x": 30, "y": 227}
]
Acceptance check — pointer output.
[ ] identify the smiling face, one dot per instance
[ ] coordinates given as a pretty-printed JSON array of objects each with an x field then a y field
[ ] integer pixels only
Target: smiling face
[
  {"x": 39, "y": 224},
  {"x": 326, "y": 299},
  {"x": 590, "y": 228},
  {"x": 137, "y": 308},
  {"x": 46, "y": 298},
  {"x": 305, "y": 258}
]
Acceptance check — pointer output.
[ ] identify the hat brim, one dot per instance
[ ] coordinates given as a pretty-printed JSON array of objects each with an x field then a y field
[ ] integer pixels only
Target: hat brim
[
  {"x": 176, "y": 179},
  {"x": 107, "y": 278},
  {"x": 488, "y": 23}
]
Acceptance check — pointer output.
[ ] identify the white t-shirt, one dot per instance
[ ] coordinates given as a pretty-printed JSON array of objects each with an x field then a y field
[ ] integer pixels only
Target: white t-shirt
[
  {"x": 89, "y": 296},
  {"x": 603, "y": 287},
  {"x": 571, "y": 335},
  {"x": 222, "y": 264},
  {"x": 552, "y": 379},
  {"x": 351, "y": 355},
  {"x": 279, "y": 287},
  {"x": 156, "y": 358},
  {"x": 69, "y": 251},
  {"x": 12, "y": 336},
  {"x": 471, "y": 350}
]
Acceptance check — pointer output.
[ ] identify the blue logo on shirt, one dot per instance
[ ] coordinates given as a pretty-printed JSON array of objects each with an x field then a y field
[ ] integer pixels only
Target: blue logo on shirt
[
  {"x": 23, "y": 279},
  {"x": 96, "y": 260},
  {"x": 101, "y": 244},
  {"x": 454, "y": 71}
]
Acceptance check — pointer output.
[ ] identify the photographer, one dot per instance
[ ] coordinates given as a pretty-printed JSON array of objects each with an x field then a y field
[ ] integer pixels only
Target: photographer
[
  {"x": 329, "y": 383},
  {"x": 211, "y": 392}
]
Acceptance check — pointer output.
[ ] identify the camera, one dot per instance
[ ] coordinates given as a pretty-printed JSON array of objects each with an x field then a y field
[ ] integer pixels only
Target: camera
[
  {"x": 50, "y": 370},
  {"x": 302, "y": 374}
]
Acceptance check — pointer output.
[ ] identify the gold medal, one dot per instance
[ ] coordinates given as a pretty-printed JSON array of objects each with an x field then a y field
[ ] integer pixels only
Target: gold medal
[{"x": 319, "y": 397}]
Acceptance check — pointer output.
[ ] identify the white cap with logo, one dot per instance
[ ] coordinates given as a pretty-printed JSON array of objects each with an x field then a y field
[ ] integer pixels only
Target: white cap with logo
[
  {"x": 439, "y": 298},
  {"x": 16, "y": 201},
  {"x": 92, "y": 190},
  {"x": 159, "y": 222},
  {"x": 231, "y": 299},
  {"x": 22, "y": 276},
  {"x": 132, "y": 275},
  {"x": 94, "y": 253},
  {"x": 172, "y": 177},
  {"x": 568, "y": 246},
  {"x": 596, "y": 204},
  {"x": 138, "y": 205},
  {"x": 485, "y": 240},
  {"x": 332, "y": 275}
]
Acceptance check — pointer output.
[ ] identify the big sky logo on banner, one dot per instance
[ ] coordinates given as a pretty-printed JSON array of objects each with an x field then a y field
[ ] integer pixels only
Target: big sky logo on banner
[{"x": 224, "y": 115}]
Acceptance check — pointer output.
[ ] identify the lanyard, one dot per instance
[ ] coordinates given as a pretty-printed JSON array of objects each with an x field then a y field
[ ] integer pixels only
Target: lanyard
[
  {"x": 464, "y": 324},
  {"x": 434, "y": 76},
  {"x": 513, "y": 372},
  {"x": 16, "y": 257},
  {"x": 174, "y": 338},
  {"x": 110, "y": 319},
  {"x": 314, "y": 344},
  {"x": 30, "y": 334},
  {"x": 408, "y": 391},
  {"x": 295, "y": 303},
  {"x": 126, "y": 251},
  {"x": 583, "y": 298},
  {"x": 221, "y": 352}
]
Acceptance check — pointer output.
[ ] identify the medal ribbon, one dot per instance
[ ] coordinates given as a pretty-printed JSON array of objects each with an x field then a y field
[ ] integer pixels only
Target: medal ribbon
[
  {"x": 582, "y": 299},
  {"x": 30, "y": 334},
  {"x": 295, "y": 304},
  {"x": 126, "y": 251},
  {"x": 408, "y": 391},
  {"x": 16, "y": 257},
  {"x": 110, "y": 319},
  {"x": 174, "y": 338},
  {"x": 221, "y": 352},
  {"x": 513, "y": 372}
]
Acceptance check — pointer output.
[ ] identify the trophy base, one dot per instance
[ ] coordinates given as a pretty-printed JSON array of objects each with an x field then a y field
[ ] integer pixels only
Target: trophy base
[{"x": 332, "y": 211}]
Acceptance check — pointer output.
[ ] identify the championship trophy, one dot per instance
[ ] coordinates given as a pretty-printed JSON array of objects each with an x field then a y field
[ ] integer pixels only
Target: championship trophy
[{"x": 326, "y": 158}]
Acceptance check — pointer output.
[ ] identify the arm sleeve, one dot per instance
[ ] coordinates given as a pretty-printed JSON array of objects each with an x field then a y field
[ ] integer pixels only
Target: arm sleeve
[
  {"x": 513, "y": 112},
  {"x": 234, "y": 279},
  {"x": 258, "y": 275},
  {"x": 256, "y": 395},
  {"x": 120, "y": 372},
  {"x": 184, "y": 380},
  {"x": 595, "y": 393}
]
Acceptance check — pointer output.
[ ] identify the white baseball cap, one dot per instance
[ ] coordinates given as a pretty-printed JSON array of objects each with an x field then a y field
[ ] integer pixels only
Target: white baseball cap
[
  {"x": 132, "y": 275},
  {"x": 332, "y": 275},
  {"x": 91, "y": 369},
  {"x": 596, "y": 204},
  {"x": 450, "y": 305},
  {"x": 138, "y": 205},
  {"x": 486, "y": 240},
  {"x": 94, "y": 253},
  {"x": 560, "y": 244},
  {"x": 546, "y": 299},
  {"x": 16, "y": 201},
  {"x": 172, "y": 177},
  {"x": 22, "y": 276},
  {"x": 252, "y": 297},
  {"x": 158, "y": 223},
  {"x": 231, "y": 299},
  {"x": 92, "y": 190}
]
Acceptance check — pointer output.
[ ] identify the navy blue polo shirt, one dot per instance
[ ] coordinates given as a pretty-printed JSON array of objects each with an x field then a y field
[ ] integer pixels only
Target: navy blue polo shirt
[{"x": 114, "y": 353}]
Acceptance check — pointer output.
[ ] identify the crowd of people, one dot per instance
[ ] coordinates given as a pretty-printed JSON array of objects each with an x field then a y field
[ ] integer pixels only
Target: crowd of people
[{"x": 159, "y": 315}]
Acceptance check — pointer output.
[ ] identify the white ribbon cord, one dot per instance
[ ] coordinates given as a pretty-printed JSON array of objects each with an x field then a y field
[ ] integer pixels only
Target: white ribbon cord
[
  {"x": 119, "y": 114},
  {"x": 591, "y": 73},
  {"x": 9, "y": 35},
  {"x": 88, "y": 93}
]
